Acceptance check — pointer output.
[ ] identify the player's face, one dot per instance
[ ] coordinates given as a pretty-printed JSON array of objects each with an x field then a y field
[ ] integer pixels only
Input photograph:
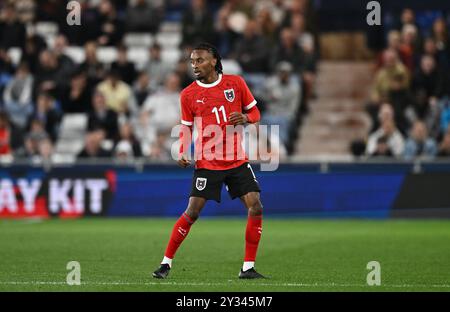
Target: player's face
[{"x": 202, "y": 63}]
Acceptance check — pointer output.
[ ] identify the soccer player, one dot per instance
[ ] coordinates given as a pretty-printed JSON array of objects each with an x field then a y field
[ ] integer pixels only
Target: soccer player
[{"x": 222, "y": 100}]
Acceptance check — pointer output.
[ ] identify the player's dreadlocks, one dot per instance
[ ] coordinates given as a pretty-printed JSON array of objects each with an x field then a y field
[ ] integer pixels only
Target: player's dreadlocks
[{"x": 213, "y": 50}]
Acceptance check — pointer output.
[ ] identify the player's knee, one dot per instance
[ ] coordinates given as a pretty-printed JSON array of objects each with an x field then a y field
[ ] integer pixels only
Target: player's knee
[
  {"x": 193, "y": 213},
  {"x": 255, "y": 208}
]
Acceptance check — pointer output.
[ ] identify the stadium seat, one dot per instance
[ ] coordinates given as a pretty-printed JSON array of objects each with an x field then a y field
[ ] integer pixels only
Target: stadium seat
[
  {"x": 169, "y": 39},
  {"x": 138, "y": 40},
  {"x": 231, "y": 67},
  {"x": 138, "y": 55},
  {"x": 71, "y": 134},
  {"x": 15, "y": 55},
  {"x": 171, "y": 55},
  {"x": 75, "y": 53},
  {"x": 107, "y": 54},
  {"x": 47, "y": 29}
]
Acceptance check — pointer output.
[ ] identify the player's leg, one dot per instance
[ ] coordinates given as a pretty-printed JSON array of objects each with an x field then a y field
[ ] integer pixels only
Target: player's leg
[
  {"x": 179, "y": 232},
  {"x": 182, "y": 227},
  {"x": 241, "y": 182},
  {"x": 253, "y": 233},
  {"x": 206, "y": 184}
]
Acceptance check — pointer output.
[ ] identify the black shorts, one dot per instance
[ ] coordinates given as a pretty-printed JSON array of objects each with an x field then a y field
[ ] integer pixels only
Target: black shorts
[{"x": 238, "y": 181}]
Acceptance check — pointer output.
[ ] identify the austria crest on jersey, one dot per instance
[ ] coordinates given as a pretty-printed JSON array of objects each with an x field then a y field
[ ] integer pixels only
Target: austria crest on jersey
[
  {"x": 229, "y": 95},
  {"x": 200, "y": 184}
]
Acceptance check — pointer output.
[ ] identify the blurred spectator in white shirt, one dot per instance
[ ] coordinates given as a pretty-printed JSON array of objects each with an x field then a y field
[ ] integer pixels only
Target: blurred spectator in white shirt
[
  {"x": 17, "y": 97},
  {"x": 393, "y": 137},
  {"x": 283, "y": 99},
  {"x": 156, "y": 67}
]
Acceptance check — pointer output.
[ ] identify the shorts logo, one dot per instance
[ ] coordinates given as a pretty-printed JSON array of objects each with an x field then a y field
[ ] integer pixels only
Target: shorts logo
[
  {"x": 200, "y": 184},
  {"x": 229, "y": 95}
]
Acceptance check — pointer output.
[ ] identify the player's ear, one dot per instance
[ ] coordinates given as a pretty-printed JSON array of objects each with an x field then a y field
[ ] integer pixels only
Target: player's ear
[{"x": 214, "y": 62}]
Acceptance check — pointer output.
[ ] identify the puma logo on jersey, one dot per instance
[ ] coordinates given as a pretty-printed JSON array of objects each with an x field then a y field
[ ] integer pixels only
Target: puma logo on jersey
[{"x": 201, "y": 101}]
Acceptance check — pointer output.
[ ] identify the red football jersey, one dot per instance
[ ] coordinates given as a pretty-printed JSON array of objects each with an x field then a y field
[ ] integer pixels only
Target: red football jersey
[{"x": 213, "y": 103}]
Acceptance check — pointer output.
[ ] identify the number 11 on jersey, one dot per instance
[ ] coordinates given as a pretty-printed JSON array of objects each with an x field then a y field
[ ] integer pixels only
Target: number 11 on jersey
[{"x": 216, "y": 112}]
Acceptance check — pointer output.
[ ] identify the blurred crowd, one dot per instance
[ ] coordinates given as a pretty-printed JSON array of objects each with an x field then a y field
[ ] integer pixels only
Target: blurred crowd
[
  {"x": 130, "y": 109},
  {"x": 410, "y": 98}
]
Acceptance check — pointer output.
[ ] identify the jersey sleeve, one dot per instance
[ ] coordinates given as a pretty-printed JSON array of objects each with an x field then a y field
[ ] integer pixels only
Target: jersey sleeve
[
  {"x": 187, "y": 117},
  {"x": 247, "y": 100}
]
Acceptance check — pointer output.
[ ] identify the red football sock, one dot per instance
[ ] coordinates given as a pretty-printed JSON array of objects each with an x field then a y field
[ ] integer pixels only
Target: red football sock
[
  {"x": 252, "y": 237},
  {"x": 179, "y": 233}
]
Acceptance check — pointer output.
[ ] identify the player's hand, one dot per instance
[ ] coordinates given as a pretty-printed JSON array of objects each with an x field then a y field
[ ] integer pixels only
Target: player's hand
[
  {"x": 237, "y": 118},
  {"x": 183, "y": 162}
]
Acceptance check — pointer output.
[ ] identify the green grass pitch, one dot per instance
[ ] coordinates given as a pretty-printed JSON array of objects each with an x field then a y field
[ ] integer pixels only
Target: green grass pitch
[{"x": 297, "y": 255}]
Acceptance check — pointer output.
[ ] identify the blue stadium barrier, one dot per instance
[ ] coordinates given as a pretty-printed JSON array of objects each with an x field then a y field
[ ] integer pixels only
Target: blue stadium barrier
[{"x": 361, "y": 190}]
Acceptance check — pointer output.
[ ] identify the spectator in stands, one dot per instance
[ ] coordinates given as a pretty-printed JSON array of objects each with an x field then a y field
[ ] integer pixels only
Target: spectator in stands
[
  {"x": 383, "y": 80},
  {"x": 50, "y": 77},
  {"x": 34, "y": 45},
  {"x": 111, "y": 26},
  {"x": 142, "y": 17},
  {"x": 441, "y": 36},
  {"x": 77, "y": 97},
  {"x": 183, "y": 71},
  {"x": 65, "y": 63},
  {"x": 394, "y": 139},
  {"x": 408, "y": 46},
  {"x": 419, "y": 144},
  {"x": 162, "y": 107},
  {"x": 12, "y": 31},
  {"x": 160, "y": 149},
  {"x": 6, "y": 65},
  {"x": 126, "y": 135},
  {"x": 426, "y": 78},
  {"x": 197, "y": 24},
  {"x": 18, "y": 102},
  {"x": 402, "y": 102},
  {"x": 306, "y": 42},
  {"x": 276, "y": 8},
  {"x": 251, "y": 50},
  {"x": 283, "y": 96},
  {"x": 145, "y": 132},
  {"x": 444, "y": 115},
  {"x": 305, "y": 8},
  {"x": 48, "y": 114},
  {"x": 225, "y": 35},
  {"x": 142, "y": 88},
  {"x": 156, "y": 67},
  {"x": 45, "y": 151},
  {"x": 34, "y": 138},
  {"x": 304, "y": 38},
  {"x": 288, "y": 50},
  {"x": 266, "y": 25},
  {"x": 25, "y": 10},
  {"x": 382, "y": 148},
  {"x": 394, "y": 41},
  {"x": 441, "y": 58},
  {"x": 93, "y": 146},
  {"x": 126, "y": 69},
  {"x": 407, "y": 17},
  {"x": 444, "y": 147},
  {"x": 123, "y": 152},
  {"x": 10, "y": 138},
  {"x": 118, "y": 94},
  {"x": 94, "y": 69},
  {"x": 102, "y": 117}
]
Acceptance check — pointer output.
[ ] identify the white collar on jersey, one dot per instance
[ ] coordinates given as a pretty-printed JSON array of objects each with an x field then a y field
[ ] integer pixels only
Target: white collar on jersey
[{"x": 209, "y": 85}]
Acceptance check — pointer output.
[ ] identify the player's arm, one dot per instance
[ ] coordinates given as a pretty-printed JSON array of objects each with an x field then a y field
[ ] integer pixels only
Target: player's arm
[
  {"x": 187, "y": 123},
  {"x": 250, "y": 112},
  {"x": 251, "y": 116}
]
